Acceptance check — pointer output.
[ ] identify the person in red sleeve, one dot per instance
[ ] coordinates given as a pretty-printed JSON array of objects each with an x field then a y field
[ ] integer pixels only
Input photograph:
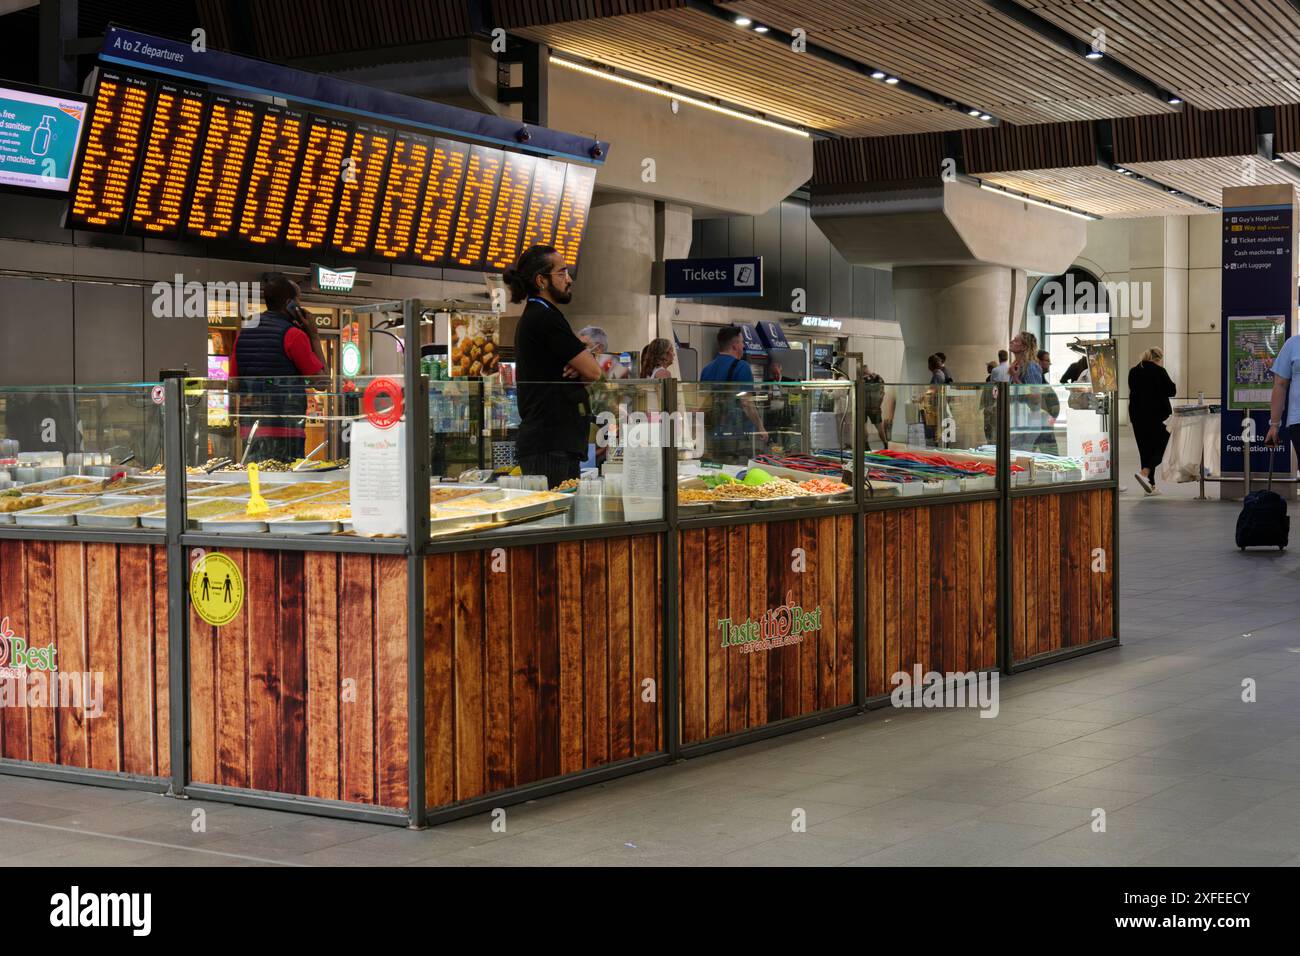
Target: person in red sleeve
[{"x": 276, "y": 358}]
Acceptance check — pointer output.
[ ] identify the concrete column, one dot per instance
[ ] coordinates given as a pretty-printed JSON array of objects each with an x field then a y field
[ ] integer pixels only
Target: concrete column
[
  {"x": 612, "y": 288},
  {"x": 966, "y": 312}
]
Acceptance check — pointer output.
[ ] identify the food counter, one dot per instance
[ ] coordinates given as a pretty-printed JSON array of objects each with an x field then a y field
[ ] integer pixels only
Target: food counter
[{"x": 390, "y": 642}]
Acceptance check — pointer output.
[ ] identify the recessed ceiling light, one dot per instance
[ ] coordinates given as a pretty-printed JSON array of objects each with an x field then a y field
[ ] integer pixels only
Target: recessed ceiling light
[
  {"x": 985, "y": 117},
  {"x": 1093, "y": 55},
  {"x": 892, "y": 80},
  {"x": 743, "y": 21},
  {"x": 877, "y": 75},
  {"x": 1278, "y": 159},
  {"x": 1174, "y": 101},
  {"x": 973, "y": 112},
  {"x": 760, "y": 29}
]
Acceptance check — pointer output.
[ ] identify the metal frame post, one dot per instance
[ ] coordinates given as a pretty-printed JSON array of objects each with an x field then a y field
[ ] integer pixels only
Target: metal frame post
[
  {"x": 859, "y": 475},
  {"x": 416, "y": 406},
  {"x": 1004, "y": 527},
  {"x": 670, "y": 604},
  {"x": 178, "y": 658}
]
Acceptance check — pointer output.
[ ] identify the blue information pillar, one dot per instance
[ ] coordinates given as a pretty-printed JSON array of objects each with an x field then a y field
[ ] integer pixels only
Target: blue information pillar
[{"x": 1258, "y": 312}]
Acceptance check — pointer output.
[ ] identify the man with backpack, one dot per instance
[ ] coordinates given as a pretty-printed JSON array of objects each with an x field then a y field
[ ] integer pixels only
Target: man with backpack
[{"x": 729, "y": 408}]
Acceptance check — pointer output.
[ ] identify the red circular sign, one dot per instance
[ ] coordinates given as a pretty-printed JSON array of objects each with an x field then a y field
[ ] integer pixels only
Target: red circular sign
[{"x": 387, "y": 417}]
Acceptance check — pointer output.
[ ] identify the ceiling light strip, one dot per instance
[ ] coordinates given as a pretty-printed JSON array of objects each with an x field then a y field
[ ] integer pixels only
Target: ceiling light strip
[
  {"x": 1021, "y": 197},
  {"x": 672, "y": 94}
]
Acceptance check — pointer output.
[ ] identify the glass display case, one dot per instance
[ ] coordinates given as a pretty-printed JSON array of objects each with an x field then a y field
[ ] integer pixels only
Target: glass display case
[
  {"x": 80, "y": 456},
  {"x": 767, "y": 445},
  {"x": 922, "y": 440},
  {"x": 1059, "y": 433}
]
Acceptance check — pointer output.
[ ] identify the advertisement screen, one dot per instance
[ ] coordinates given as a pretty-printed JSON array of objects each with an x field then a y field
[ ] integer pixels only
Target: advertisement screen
[{"x": 39, "y": 133}]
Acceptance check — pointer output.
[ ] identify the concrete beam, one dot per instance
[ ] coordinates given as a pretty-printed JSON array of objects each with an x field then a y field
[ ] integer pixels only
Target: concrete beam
[
  {"x": 949, "y": 224},
  {"x": 714, "y": 163}
]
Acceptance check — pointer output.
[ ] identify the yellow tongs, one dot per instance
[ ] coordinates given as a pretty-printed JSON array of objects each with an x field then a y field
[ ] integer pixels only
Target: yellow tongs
[{"x": 256, "y": 503}]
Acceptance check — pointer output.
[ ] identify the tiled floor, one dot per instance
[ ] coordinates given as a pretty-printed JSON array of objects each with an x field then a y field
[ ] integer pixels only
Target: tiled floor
[{"x": 1155, "y": 733}]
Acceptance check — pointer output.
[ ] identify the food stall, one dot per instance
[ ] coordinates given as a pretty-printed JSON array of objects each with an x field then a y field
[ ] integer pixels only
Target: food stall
[{"x": 379, "y": 640}]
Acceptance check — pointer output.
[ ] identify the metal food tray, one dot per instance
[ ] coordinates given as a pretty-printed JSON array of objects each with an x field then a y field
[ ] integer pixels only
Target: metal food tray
[
  {"x": 783, "y": 501},
  {"x": 92, "y": 519},
  {"x": 249, "y": 526},
  {"x": 47, "y": 487},
  {"x": 735, "y": 504},
  {"x": 280, "y": 477},
  {"x": 38, "y": 518},
  {"x": 291, "y": 526}
]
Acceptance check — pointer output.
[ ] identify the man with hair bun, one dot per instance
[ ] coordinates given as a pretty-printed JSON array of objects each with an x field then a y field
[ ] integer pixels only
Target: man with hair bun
[{"x": 552, "y": 365}]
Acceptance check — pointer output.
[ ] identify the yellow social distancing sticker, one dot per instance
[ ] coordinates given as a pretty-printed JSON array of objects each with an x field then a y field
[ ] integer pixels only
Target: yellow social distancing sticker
[{"x": 217, "y": 589}]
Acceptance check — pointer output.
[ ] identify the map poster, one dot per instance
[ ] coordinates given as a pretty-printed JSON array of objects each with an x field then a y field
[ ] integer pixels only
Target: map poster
[{"x": 1253, "y": 343}]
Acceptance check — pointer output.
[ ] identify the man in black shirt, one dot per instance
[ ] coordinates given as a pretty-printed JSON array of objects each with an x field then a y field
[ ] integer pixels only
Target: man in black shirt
[{"x": 551, "y": 365}]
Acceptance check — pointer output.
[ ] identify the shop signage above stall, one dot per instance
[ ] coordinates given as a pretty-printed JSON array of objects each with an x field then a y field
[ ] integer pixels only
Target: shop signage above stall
[
  {"x": 820, "y": 322},
  {"x": 166, "y": 158},
  {"x": 697, "y": 278},
  {"x": 324, "y": 279},
  {"x": 39, "y": 132}
]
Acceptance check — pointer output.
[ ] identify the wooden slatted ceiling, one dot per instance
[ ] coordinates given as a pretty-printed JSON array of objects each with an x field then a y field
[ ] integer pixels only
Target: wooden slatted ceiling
[
  {"x": 1038, "y": 147},
  {"x": 964, "y": 50},
  {"x": 1216, "y": 54},
  {"x": 1096, "y": 190},
  {"x": 285, "y": 29},
  {"x": 699, "y": 52},
  {"x": 1206, "y": 178},
  {"x": 515, "y": 14}
]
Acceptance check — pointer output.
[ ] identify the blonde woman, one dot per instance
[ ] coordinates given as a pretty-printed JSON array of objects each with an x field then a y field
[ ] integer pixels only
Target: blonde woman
[
  {"x": 657, "y": 359},
  {"x": 1149, "y": 391},
  {"x": 1025, "y": 369}
]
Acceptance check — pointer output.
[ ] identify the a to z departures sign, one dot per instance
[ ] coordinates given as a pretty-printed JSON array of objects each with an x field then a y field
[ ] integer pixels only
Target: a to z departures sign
[{"x": 178, "y": 161}]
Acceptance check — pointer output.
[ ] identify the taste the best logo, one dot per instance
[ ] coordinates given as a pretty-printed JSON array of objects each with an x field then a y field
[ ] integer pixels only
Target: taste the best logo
[
  {"x": 777, "y": 627},
  {"x": 16, "y": 657}
]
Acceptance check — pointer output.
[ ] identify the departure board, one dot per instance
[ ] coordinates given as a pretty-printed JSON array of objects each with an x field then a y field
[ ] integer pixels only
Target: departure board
[
  {"x": 579, "y": 181},
  {"x": 363, "y": 176},
  {"x": 318, "y": 183},
  {"x": 275, "y": 158},
  {"x": 544, "y": 203},
  {"x": 169, "y": 151},
  {"x": 166, "y": 159},
  {"x": 476, "y": 205},
  {"x": 512, "y": 206},
  {"x": 109, "y": 153},
  {"x": 441, "y": 201},
  {"x": 401, "y": 205},
  {"x": 222, "y": 158}
]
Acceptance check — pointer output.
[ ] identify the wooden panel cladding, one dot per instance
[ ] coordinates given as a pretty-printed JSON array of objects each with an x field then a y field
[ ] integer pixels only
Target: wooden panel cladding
[
  {"x": 1046, "y": 146},
  {"x": 877, "y": 159},
  {"x": 1189, "y": 135},
  {"x": 741, "y": 573},
  {"x": 1058, "y": 599},
  {"x": 1207, "y": 178},
  {"x": 536, "y": 660},
  {"x": 1286, "y": 135},
  {"x": 104, "y": 608},
  {"x": 279, "y": 29},
  {"x": 1217, "y": 55},
  {"x": 305, "y": 691},
  {"x": 513, "y": 14},
  {"x": 931, "y": 590}
]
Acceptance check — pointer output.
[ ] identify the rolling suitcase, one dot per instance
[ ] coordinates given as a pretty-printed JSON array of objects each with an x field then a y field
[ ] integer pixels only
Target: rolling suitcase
[{"x": 1263, "y": 522}]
